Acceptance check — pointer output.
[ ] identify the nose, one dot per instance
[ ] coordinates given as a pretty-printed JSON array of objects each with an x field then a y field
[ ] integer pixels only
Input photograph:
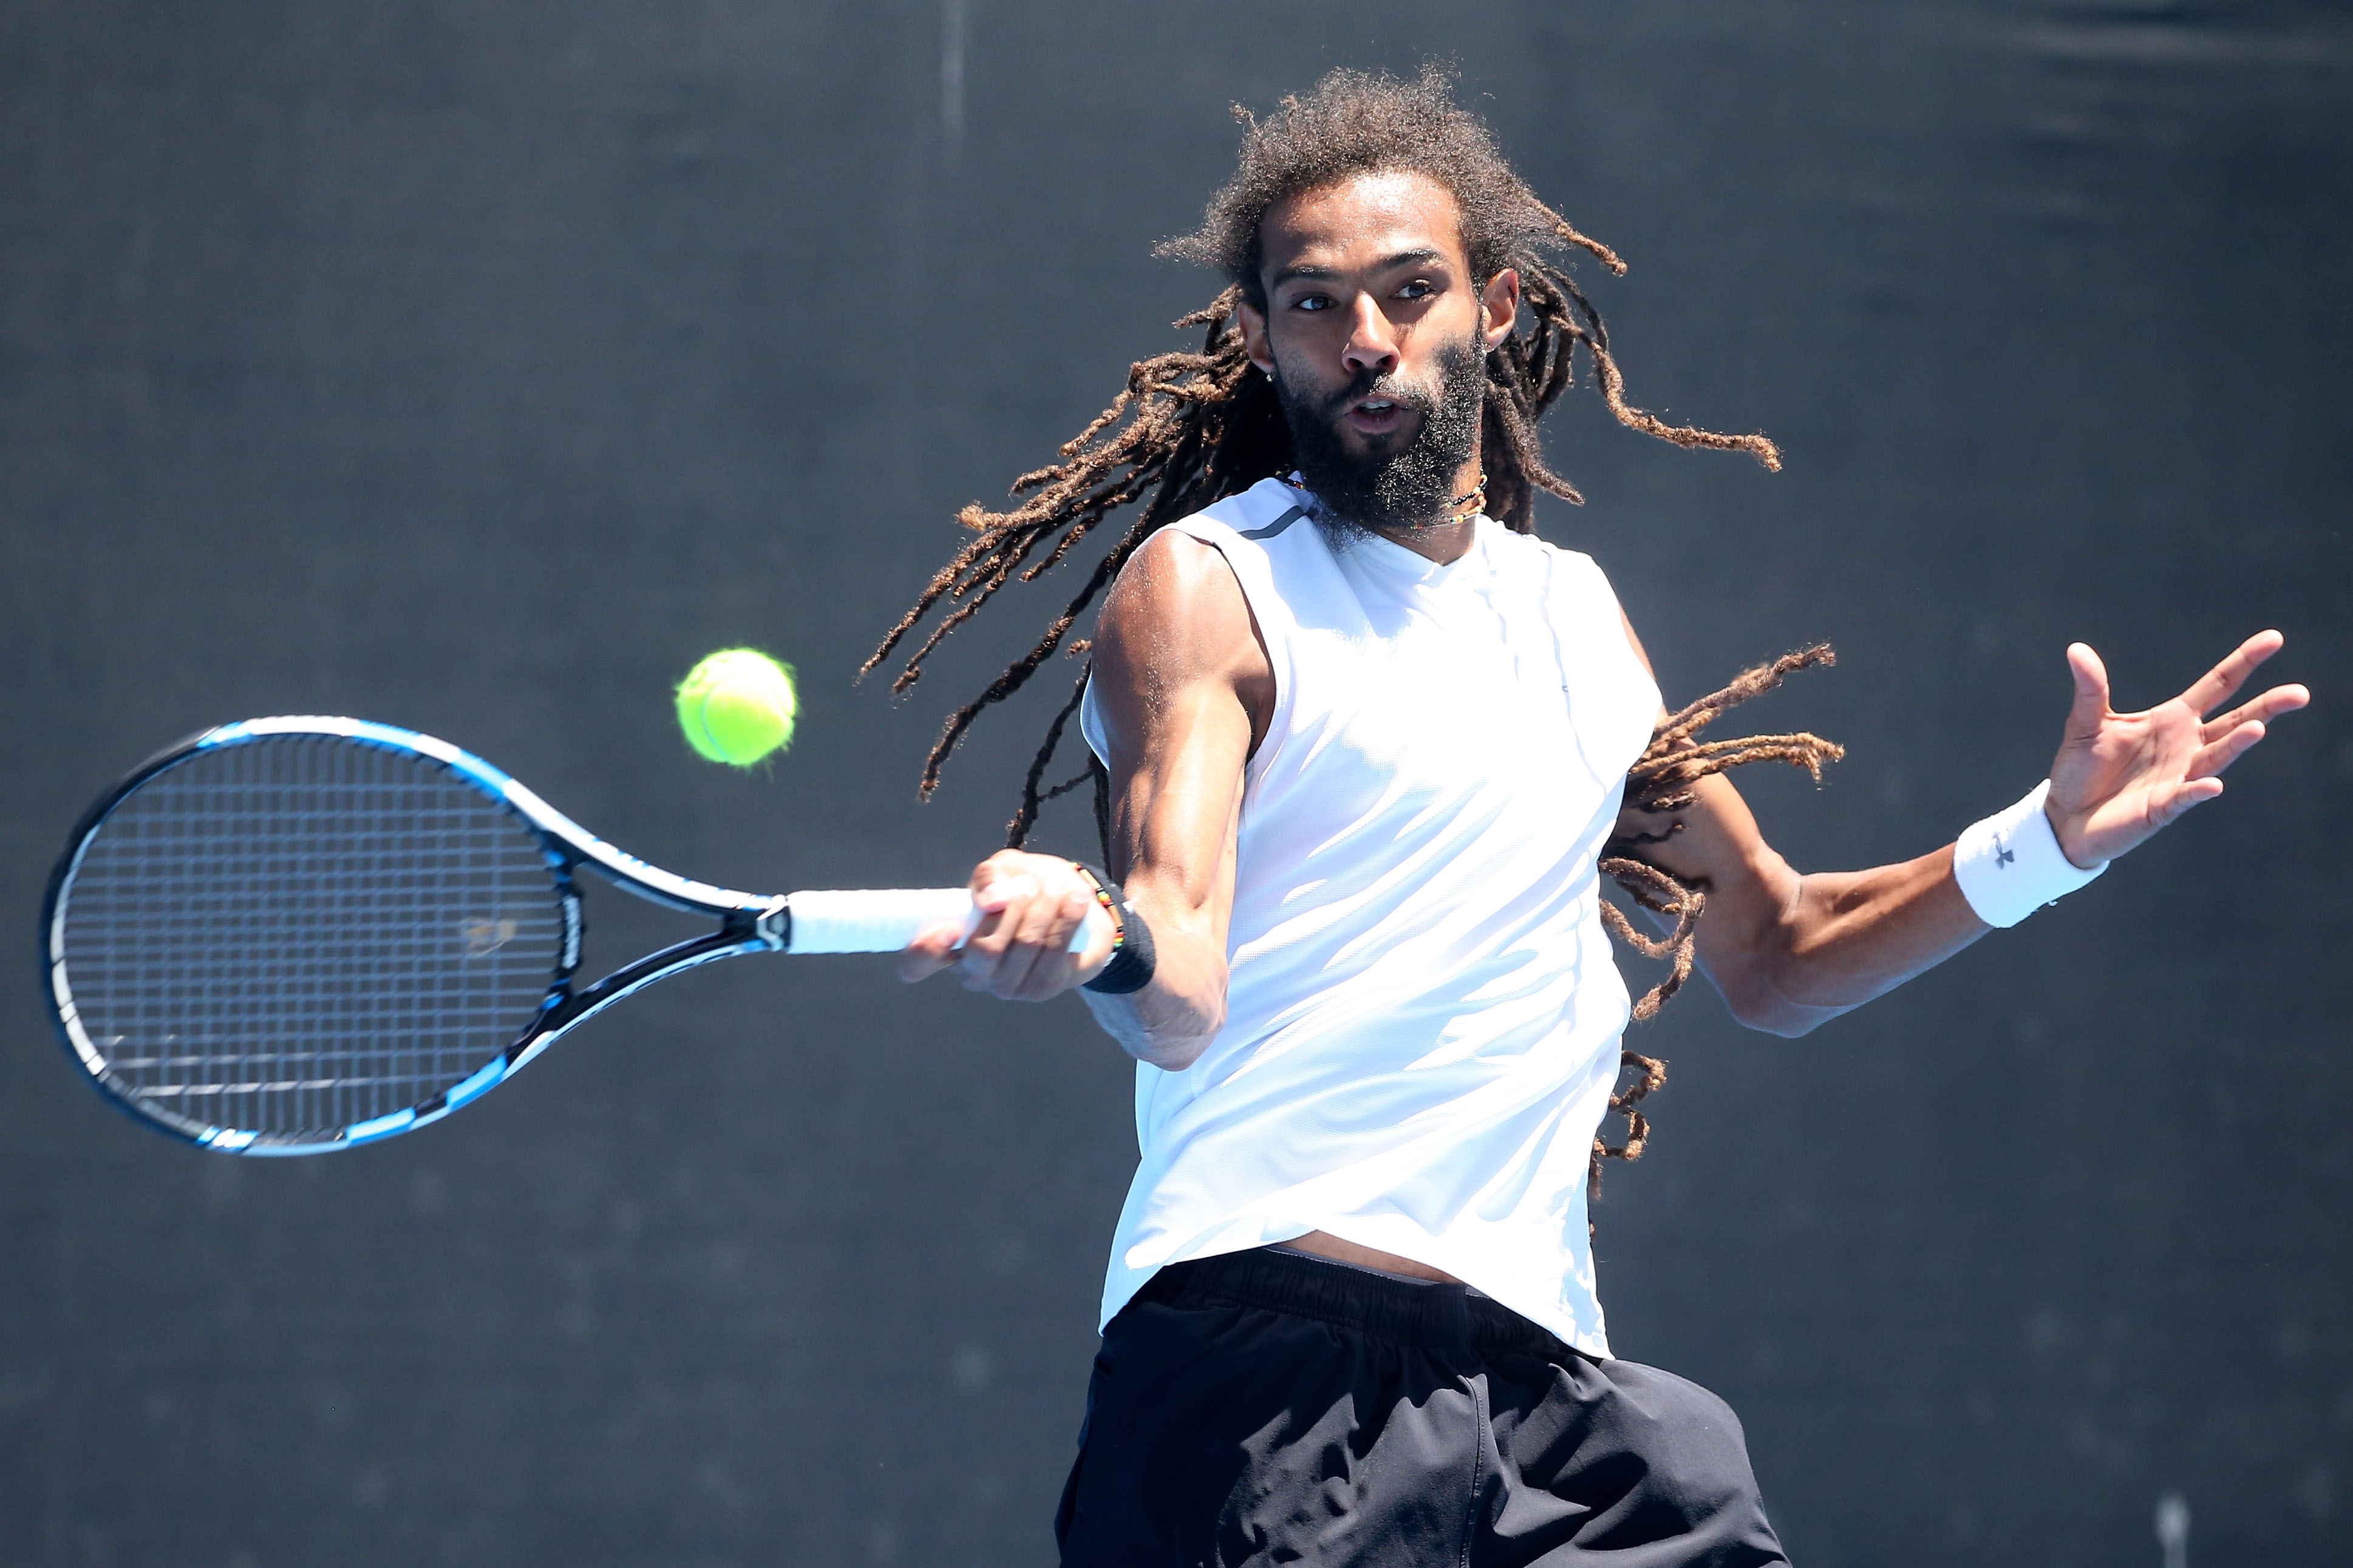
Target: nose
[{"x": 1370, "y": 346}]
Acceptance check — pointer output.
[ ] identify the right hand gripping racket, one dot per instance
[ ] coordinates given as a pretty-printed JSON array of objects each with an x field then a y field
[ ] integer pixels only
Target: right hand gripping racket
[{"x": 286, "y": 936}]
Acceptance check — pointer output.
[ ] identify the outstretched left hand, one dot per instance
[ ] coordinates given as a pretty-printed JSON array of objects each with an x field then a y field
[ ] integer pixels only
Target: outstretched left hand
[{"x": 2119, "y": 777}]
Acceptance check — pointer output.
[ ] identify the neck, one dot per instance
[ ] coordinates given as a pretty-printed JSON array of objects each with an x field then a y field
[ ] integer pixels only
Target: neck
[
  {"x": 1441, "y": 543},
  {"x": 1446, "y": 541}
]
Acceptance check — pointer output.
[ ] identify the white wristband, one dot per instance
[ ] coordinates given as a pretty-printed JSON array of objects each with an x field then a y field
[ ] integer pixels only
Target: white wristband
[{"x": 2009, "y": 865}]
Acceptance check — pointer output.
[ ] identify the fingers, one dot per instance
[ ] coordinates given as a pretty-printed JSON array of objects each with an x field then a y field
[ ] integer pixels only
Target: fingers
[
  {"x": 2195, "y": 792},
  {"x": 1039, "y": 963},
  {"x": 1003, "y": 956},
  {"x": 933, "y": 950},
  {"x": 1032, "y": 906},
  {"x": 2214, "y": 757},
  {"x": 2090, "y": 704},
  {"x": 2217, "y": 685},
  {"x": 2279, "y": 699},
  {"x": 992, "y": 954}
]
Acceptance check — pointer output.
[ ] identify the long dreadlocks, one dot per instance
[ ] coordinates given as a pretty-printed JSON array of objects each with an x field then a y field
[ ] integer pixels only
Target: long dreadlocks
[{"x": 1192, "y": 429}]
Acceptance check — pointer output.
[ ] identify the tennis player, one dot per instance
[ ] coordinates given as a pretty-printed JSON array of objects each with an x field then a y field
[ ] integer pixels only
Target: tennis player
[{"x": 1364, "y": 737}]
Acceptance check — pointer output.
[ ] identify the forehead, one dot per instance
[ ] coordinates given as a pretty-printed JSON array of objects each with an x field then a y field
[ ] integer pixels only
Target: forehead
[{"x": 1358, "y": 220}]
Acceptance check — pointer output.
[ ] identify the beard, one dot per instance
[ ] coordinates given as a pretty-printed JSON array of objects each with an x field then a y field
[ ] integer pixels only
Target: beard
[{"x": 1410, "y": 488}]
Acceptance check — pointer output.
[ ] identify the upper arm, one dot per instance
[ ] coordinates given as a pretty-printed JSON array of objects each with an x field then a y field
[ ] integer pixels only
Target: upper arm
[
  {"x": 1788, "y": 951},
  {"x": 1714, "y": 840},
  {"x": 1714, "y": 844},
  {"x": 1183, "y": 692}
]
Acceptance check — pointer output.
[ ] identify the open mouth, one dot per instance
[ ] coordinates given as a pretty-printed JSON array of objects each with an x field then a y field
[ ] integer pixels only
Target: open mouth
[{"x": 1376, "y": 416}]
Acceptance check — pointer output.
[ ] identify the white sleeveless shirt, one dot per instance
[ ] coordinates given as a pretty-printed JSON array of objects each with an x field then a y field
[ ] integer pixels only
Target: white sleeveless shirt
[{"x": 1423, "y": 1012}]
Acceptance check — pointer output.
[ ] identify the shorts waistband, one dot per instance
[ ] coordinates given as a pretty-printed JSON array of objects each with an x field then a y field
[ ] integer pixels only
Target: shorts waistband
[{"x": 1428, "y": 1313}]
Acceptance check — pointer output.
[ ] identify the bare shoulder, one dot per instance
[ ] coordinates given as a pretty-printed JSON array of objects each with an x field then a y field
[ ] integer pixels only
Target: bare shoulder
[
  {"x": 1176, "y": 619},
  {"x": 1174, "y": 574},
  {"x": 1175, "y": 608}
]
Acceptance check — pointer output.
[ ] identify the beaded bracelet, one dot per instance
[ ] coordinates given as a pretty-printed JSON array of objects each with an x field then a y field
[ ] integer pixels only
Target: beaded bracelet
[{"x": 1132, "y": 957}]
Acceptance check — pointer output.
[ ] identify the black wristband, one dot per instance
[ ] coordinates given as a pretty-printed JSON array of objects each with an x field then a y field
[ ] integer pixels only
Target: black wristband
[{"x": 1132, "y": 958}]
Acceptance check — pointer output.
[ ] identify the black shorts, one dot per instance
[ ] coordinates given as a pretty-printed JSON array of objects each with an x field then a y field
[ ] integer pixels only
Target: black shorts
[{"x": 1268, "y": 1407}]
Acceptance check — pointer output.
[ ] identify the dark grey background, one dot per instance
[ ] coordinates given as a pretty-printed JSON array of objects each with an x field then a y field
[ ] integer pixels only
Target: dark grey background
[{"x": 478, "y": 365}]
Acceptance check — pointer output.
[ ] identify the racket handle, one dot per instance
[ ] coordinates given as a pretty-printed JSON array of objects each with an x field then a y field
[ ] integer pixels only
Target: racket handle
[{"x": 885, "y": 920}]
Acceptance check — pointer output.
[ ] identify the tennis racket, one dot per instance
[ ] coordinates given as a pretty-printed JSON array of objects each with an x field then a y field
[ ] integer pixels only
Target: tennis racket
[{"x": 287, "y": 936}]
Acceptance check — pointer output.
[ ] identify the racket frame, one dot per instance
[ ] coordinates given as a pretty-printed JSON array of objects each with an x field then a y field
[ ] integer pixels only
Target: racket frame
[{"x": 749, "y": 922}]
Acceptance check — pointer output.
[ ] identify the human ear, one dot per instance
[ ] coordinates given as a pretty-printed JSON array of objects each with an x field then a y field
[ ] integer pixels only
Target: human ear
[
  {"x": 1254, "y": 343},
  {"x": 1499, "y": 307}
]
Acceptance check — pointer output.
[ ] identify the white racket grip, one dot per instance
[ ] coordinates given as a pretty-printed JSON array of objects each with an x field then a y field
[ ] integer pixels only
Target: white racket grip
[{"x": 885, "y": 920}]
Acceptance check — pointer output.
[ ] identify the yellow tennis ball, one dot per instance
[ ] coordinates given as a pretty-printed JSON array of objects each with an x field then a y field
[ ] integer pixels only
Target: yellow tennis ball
[{"x": 737, "y": 706}]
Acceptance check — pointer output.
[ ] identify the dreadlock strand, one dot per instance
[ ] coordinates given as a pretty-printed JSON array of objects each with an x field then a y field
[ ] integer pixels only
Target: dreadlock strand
[
  {"x": 1075, "y": 496},
  {"x": 1526, "y": 468},
  {"x": 1077, "y": 444},
  {"x": 944, "y": 579},
  {"x": 1015, "y": 676},
  {"x": 1649, "y": 1075},
  {"x": 1536, "y": 350},
  {"x": 1552, "y": 337},
  {"x": 1613, "y": 394},
  {"x": 914, "y": 671},
  {"x": 1569, "y": 232},
  {"x": 972, "y": 577},
  {"x": 1685, "y": 954},
  {"x": 1624, "y": 930},
  {"x": 1017, "y": 832},
  {"x": 1660, "y": 781},
  {"x": 1508, "y": 499},
  {"x": 1752, "y": 682},
  {"x": 1070, "y": 536},
  {"x": 1662, "y": 895},
  {"x": 1801, "y": 750},
  {"x": 1068, "y": 785}
]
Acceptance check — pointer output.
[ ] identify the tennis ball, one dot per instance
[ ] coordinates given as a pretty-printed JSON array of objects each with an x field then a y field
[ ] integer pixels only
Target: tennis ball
[{"x": 737, "y": 706}]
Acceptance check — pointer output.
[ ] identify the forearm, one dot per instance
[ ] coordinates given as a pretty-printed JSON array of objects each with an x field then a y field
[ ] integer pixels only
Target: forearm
[
  {"x": 1790, "y": 951},
  {"x": 1827, "y": 943},
  {"x": 1170, "y": 1021}
]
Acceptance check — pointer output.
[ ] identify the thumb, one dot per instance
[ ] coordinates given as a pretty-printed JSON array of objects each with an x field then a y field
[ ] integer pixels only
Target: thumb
[
  {"x": 2090, "y": 704},
  {"x": 934, "y": 949}
]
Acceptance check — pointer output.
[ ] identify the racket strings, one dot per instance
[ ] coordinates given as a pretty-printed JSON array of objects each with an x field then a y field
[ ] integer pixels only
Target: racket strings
[{"x": 295, "y": 934}]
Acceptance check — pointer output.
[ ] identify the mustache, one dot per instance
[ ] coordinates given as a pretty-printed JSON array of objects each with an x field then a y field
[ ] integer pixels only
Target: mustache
[{"x": 1378, "y": 383}]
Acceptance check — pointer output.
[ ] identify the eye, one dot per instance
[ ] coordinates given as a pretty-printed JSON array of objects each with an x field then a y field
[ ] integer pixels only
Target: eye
[
  {"x": 1419, "y": 289},
  {"x": 1313, "y": 302}
]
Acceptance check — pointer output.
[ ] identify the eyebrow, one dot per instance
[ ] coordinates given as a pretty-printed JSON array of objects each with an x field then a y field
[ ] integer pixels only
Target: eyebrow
[{"x": 1386, "y": 263}]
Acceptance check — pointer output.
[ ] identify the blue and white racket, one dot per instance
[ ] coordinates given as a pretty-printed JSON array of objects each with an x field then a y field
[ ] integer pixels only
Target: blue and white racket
[{"x": 290, "y": 935}]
